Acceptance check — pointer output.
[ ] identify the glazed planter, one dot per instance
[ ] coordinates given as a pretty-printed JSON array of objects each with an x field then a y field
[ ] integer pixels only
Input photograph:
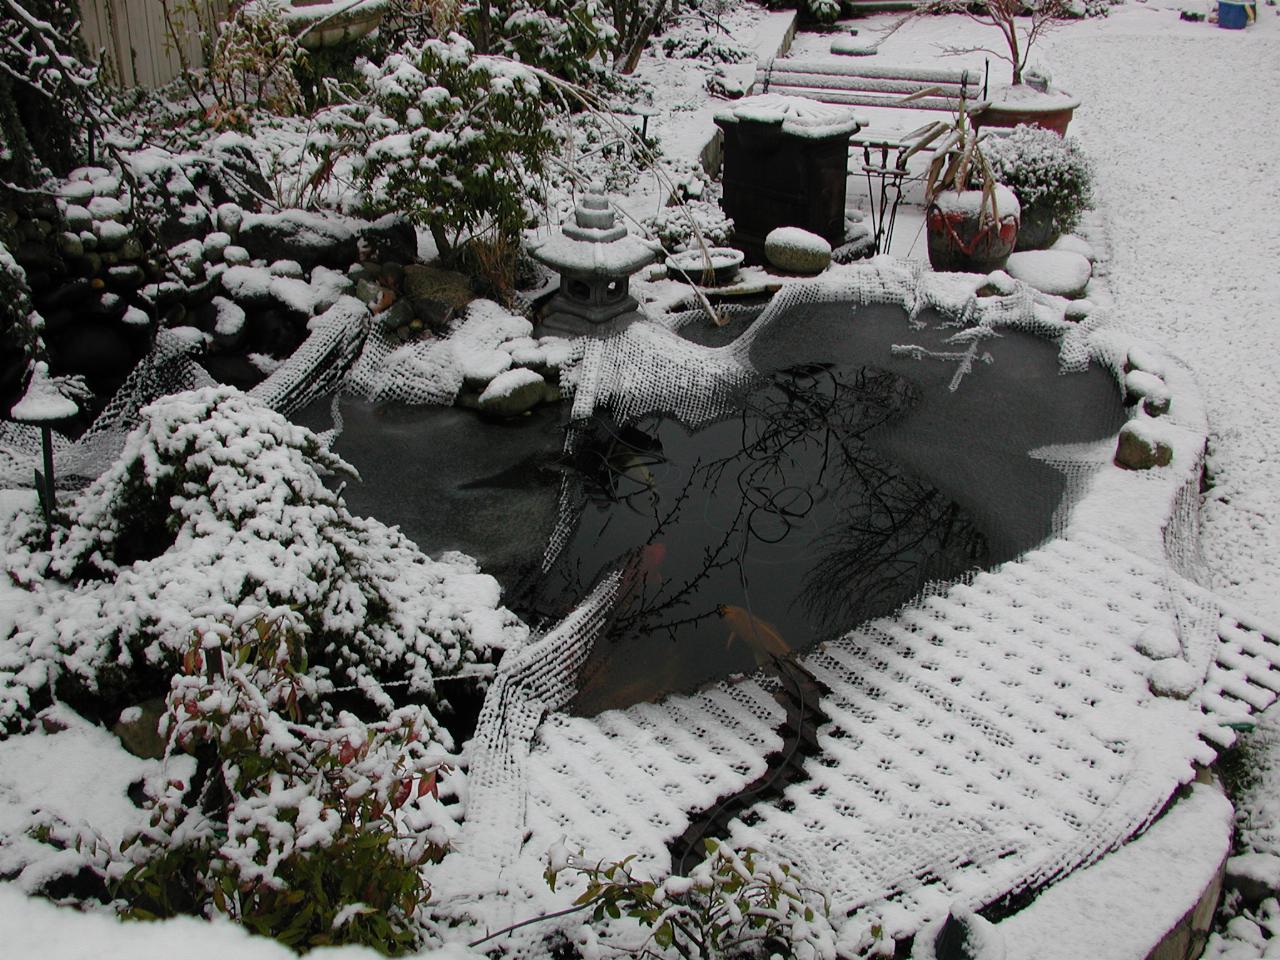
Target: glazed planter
[
  {"x": 1010, "y": 106},
  {"x": 960, "y": 240},
  {"x": 1037, "y": 230}
]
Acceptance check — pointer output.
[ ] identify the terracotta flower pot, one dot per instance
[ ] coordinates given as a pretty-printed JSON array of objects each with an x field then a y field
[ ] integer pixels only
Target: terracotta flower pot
[
  {"x": 961, "y": 239},
  {"x": 1010, "y": 106}
]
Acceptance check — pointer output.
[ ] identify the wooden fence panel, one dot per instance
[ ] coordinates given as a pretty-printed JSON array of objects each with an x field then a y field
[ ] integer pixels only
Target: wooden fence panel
[{"x": 135, "y": 45}]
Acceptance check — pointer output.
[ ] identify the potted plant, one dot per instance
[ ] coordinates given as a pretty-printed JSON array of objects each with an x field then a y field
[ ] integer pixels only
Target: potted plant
[
  {"x": 1051, "y": 177},
  {"x": 972, "y": 219},
  {"x": 1021, "y": 24}
]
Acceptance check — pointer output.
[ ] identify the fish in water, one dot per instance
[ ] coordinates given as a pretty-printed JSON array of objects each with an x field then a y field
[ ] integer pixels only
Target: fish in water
[
  {"x": 643, "y": 569},
  {"x": 762, "y": 637}
]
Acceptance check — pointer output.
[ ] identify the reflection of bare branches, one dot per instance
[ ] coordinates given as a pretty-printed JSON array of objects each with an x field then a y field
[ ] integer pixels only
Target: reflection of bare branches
[{"x": 801, "y": 444}]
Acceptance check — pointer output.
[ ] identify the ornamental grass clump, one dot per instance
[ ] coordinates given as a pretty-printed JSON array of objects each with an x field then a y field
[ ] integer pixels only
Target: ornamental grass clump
[{"x": 1051, "y": 177}]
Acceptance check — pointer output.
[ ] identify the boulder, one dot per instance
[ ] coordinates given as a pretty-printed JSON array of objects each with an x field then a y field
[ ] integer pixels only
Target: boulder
[
  {"x": 308, "y": 238},
  {"x": 437, "y": 295},
  {"x": 797, "y": 251},
  {"x": 512, "y": 393},
  {"x": 1140, "y": 447},
  {"x": 1060, "y": 273},
  {"x": 138, "y": 729}
]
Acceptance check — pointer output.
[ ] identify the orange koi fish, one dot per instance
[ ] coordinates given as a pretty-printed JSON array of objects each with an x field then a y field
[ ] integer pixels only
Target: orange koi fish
[{"x": 762, "y": 637}]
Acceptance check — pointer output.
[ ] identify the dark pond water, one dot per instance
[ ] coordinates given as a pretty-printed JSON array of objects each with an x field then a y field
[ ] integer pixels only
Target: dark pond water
[{"x": 851, "y": 477}]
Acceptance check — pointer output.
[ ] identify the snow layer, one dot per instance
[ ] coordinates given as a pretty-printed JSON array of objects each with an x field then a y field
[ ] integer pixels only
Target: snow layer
[
  {"x": 1193, "y": 240},
  {"x": 1121, "y": 907}
]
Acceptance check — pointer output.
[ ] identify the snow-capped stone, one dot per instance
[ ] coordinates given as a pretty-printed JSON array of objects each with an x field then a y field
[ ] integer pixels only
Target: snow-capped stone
[
  {"x": 1255, "y": 875},
  {"x": 1148, "y": 388},
  {"x": 512, "y": 393},
  {"x": 797, "y": 251},
  {"x": 1142, "y": 445},
  {"x": 1173, "y": 678},
  {"x": 1070, "y": 243},
  {"x": 1059, "y": 273},
  {"x": 1159, "y": 642},
  {"x": 215, "y": 243},
  {"x": 1140, "y": 359},
  {"x": 235, "y": 255},
  {"x": 77, "y": 218}
]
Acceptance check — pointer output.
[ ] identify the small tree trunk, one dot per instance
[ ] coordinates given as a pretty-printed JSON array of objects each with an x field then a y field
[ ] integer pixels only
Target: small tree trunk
[{"x": 642, "y": 37}]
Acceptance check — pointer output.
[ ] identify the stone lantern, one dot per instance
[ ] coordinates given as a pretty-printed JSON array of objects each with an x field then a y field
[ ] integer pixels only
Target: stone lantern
[{"x": 595, "y": 257}]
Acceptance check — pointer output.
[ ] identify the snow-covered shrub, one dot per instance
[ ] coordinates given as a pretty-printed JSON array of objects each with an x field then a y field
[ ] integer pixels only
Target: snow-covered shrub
[
  {"x": 303, "y": 825},
  {"x": 696, "y": 41},
  {"x": 1050, "y": 175},
  {"x": 215, "y": 507},
  {"x": 675, "y": 226},
  {"x": 48, "y": 92},
  {"x": 562, "y": 37},
  {"x": 732, "y": 904},
  {"x": 824, "y": 11},
  {"x": 452, "y": 140},
  {"x": 20, "y": 325}
]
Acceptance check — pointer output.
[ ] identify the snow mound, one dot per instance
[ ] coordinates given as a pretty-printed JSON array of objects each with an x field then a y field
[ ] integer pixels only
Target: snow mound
[{"x": 1059, "y": 273}]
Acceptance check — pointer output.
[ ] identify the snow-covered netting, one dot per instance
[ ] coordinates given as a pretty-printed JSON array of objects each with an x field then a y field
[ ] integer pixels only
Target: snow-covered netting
[{"x": 981, "y": 742}]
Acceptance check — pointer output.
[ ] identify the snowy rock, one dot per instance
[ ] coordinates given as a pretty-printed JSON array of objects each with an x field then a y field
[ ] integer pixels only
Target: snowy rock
[
  {"x": 77, "y": 218},
  {"x": 215, "y": 243},
  {"x": 437, "y": 295},
  {"x": 1141, "y": 446},
  {"x": 1255, "y": 875},
  {"x": 512, "y": 393},
  {"x": 1056, "y": 272},
  {"x": 1078, "y": 309},
  {"x": 1242, "y": 928},
  {"x": 235, "y": 255},
  {"x": 1070, "y": 243},
  {"x": 71, "y": 245},
  {"x": 308, "y": 238},
  {"x": 1140, "y": 359},
  {"x": 1173, "y": 678},
  {"x": 228, "y": 323},
  {"x": 847, "y": 45},
  {"x": 285, "y": 268},
  {"x": 229, "y": 216},
  {"x": 76, "y": 191},
  {"x": 138, "y": 729},
  {"x": 111, "y": 235},
  {"x": 1159, "y": 642},
  {"x": 797, "y": 251},
  {"x": 1147, "y": 388}
]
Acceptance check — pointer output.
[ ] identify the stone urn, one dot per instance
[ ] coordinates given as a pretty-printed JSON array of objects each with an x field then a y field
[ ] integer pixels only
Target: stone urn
[{"x": 964, "y": 235}]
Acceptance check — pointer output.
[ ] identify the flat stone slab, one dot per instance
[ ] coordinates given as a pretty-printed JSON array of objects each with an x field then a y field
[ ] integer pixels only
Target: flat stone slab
[{"x": 1060, "y": 273}]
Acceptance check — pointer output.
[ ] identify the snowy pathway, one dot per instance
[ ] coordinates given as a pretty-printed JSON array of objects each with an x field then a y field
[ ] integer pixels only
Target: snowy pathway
[{"x": 1181, "y": 120}]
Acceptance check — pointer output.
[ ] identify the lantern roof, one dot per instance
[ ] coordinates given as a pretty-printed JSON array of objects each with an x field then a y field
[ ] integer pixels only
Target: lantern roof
[
  {"x": 43, "y": 402},
  {"x": 594, "y": 243}
]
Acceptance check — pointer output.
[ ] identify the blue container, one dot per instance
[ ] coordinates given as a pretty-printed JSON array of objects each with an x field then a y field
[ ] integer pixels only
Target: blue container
[{"x": 1233, "y": 15}]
